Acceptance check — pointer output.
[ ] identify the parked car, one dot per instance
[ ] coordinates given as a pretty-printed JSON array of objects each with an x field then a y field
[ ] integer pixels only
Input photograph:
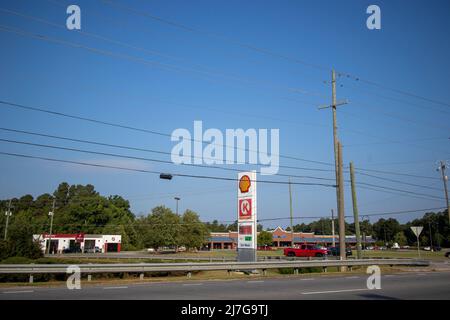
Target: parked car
[
  {"x": 72, "y": 250},
  {"x": 92, "y": 250},
  {"x": 335, "y": 251},
  {"x": 305, "y": 250},
  {"x": 447, "y": 254},
  {"x": 427, "y": 248}
]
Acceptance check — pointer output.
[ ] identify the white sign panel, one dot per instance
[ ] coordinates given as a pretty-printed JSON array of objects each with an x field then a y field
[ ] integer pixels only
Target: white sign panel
[
  {"x": 247, "y": 217},
  {"x": 417, "y": 230}
]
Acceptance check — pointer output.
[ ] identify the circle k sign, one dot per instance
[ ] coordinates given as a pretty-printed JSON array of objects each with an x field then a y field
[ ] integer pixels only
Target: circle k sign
[{"x": 245, "y": 209}]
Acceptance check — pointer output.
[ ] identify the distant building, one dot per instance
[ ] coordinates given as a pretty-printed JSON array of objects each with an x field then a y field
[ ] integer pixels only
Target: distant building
[
  {"x": 60, "y": 243},
  {"x": 281, "y": 238}
]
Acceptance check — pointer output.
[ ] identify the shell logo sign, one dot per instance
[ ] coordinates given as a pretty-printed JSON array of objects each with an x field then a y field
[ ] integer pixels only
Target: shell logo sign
[{"x": 244, "y": 184}]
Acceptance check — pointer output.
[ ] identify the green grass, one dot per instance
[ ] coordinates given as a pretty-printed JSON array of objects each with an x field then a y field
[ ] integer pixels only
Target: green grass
[{"x": 403, "y": 254}]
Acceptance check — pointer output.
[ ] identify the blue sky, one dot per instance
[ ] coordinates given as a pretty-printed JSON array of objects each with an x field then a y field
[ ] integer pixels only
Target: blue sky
[{"x": 207, "y": 75}]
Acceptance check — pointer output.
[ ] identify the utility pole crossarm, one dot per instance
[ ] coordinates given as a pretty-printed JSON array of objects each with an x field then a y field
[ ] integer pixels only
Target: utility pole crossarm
[{"x": 338, "y": 103}]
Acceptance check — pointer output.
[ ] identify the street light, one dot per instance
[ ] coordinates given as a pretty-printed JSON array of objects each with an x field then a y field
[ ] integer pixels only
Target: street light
[{"x": 177, "y": 199}]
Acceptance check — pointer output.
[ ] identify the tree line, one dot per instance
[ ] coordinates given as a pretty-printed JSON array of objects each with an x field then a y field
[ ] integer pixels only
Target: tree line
[
  {"x": 81, "y": 209},
  {"x": 436, "y": 230}
]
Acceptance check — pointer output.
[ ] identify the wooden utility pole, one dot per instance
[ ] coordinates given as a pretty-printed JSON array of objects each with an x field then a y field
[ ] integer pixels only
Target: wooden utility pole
[
  {"x": 355, "y": 212},
  {"x": 338, "y": 167},
  {"x": 444, "y": 179},
  {"x": 51, "y": 214},
  {"x": 8, "y": 214},
  {"x": 290, "y": 211},
  {"x": 341, "y": 207},
  {"x": 332, "y": 227}
]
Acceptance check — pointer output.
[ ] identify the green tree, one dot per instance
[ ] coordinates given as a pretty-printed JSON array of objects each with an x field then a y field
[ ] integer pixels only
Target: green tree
[
  {"x": 193, "y": 232},
  {"x": 400, "y": 238},
  {"x": 20, "y": 240},
  {"x": 265, "y": 238},
  {"x": 161, "y": 228}
]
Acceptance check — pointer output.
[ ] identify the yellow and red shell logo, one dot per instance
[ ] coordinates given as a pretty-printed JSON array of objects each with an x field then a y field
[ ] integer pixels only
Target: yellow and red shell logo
[{"x": 244, "y": 183}]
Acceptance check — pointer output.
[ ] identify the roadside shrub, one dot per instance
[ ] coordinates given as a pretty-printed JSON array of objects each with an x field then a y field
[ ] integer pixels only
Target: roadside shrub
[
  {"x": 16, "y": 260},
  {"x": 286, "y": 270}
]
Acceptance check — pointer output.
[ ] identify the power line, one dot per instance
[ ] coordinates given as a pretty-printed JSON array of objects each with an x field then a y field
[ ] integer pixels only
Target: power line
[
  {"x": 169, "y": 162},
  {"x": 405, "y": 102},
  {"x": 400, "y": 142},
  {"x": 111, "y": 124},
  {"x": 148, "y": 150},
  {"x": 156, "y": 172},
  {"x": 127, "y": 127},
  {"x": 399, "y": 194},
  {"x": 398, "y": 190},
  {"x": 397, "y": 173},
  {"x": 269, "y": 52},
  {"x": 397, "y": 181},
  {"x": 146, "y": 159},
  {"x": 365, "y": 214},
  {"x": 145, "y": 62},
  {"x": 135, "y": 59}
]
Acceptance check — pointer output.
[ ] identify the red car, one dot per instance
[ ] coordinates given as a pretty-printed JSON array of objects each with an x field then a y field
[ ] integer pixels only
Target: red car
[{"x": 305, "y": 250}]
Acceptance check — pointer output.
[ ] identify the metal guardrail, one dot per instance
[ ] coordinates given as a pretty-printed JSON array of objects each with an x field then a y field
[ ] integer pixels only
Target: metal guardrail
[
  {"x": 136, "y": 256},
  {"x": 189, "y": 267}
]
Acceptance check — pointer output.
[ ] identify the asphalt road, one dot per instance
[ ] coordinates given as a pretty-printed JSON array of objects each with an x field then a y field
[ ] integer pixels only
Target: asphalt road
[{"x": 418, "y": 285}]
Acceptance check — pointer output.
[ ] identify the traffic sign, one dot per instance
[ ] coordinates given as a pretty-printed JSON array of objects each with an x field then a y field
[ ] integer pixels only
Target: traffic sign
[{"x": 417, "y": 230}]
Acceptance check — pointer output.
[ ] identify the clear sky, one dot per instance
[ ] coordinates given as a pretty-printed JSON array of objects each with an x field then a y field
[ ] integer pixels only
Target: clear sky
[{"x": 199, "y": 66}]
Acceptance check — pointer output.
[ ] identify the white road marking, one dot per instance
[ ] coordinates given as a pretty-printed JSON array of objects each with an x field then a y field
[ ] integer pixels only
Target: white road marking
[
  {"x": 22, "y": 291},
  {"x": 389, "y": 275},
  {"x": 107, "y": 288},
  {"x": 353, "y": 277},
  {"x": 192, "y": 284},
  {"x": 307, "y": 279},
  {"x": 335, "y": 291},
  {"x": 255, "y": 281}
]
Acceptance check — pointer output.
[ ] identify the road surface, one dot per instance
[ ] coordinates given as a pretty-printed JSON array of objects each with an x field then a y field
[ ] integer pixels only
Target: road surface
[{"x": 417, "y": 285}]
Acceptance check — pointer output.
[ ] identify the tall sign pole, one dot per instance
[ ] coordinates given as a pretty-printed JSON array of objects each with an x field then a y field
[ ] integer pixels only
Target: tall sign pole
[
  {"x": 355, "y": 211},
  {"x": 247, "y": 216},
  {"x": 417, "y": 231}
]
